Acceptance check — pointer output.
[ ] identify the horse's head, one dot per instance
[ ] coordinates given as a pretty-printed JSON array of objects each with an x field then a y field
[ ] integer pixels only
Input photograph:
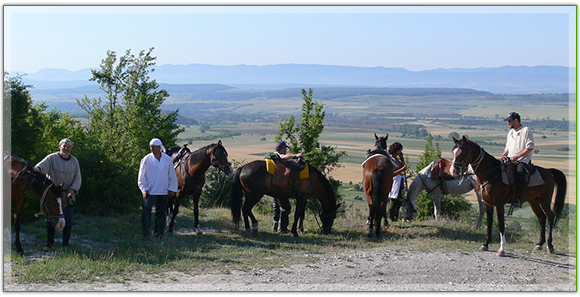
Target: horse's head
[
  {"x": 462, "y": 156},
  {"x": 381, "y": 141},
  {"x": 327, "y": 217},
  {"x": 409, "y": 210},
  {"x": 52, "y": 206},
  {"x": 219, "y": 159}
]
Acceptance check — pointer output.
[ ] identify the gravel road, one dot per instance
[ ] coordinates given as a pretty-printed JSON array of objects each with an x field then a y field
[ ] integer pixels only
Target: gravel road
[{"x": 371, "y": 270}]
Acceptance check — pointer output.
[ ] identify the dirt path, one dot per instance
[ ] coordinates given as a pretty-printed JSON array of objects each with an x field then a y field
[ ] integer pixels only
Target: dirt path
[{"x": 373, "y": 270}]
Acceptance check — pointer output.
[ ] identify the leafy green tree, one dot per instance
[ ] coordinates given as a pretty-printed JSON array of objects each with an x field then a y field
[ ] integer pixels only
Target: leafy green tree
[
  {"x": 120, "y": 128},
  {"x": 432, "y": 152},
  {"x": 303, "y": 137},
  {"x": 22, "y": 118},
  {"x": 131, "y": 114}
]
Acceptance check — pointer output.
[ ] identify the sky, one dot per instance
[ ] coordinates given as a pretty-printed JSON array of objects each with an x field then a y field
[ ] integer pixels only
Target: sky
[{"x": 412, "y": 37}]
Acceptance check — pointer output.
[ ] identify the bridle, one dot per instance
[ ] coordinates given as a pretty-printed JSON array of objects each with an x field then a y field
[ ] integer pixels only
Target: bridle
[{"x": 463, "y": 165}]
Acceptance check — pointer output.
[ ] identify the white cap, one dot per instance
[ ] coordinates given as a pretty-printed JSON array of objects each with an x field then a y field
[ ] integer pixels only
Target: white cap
[
  {"x": 65, "y": 140},
  {"x": 157, "y": 141}
]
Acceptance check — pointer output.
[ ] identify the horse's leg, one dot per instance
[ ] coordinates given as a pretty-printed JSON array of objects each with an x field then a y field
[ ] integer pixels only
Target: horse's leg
[
  {"x": 501, "y": 224},
  {"x": 17, "y": 234},
  {"x": 371, "y": 219},
  {"x": 489, "y": 212},
  {"x": 173, "y": 207},
  {"x": 249, "y": 203},
  {"x": 195, "y": 199},
  {"x": 537, "y": 209},
  {"x": 276, "y": 218},
  {"x": 285, "y": 214},
  {"x": 481, "y": 208},
  {"x": 298, "y": 215},
  {"x": 545, "y": 204},
  {"x": 437, "y": 203}
]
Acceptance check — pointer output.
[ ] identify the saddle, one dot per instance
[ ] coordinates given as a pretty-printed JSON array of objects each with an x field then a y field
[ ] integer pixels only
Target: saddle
[
  {"x": 281, "y": 172},
  {"x": 440, "y": 170},
  {"x": 534, "y": 178}
]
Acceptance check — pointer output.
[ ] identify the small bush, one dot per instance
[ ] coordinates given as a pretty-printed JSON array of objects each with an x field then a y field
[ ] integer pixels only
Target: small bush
[{"x": 452, "y": 206}]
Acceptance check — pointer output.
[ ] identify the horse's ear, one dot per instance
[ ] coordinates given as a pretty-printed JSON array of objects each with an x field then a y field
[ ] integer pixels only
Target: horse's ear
[
  {"x": 387, "y": 136},
  {"x": 464, "y": 139},
  {"x": 376, "y": 137},
  {"x": 219, "y": 142},
  {"x": 454, "y": 140}
]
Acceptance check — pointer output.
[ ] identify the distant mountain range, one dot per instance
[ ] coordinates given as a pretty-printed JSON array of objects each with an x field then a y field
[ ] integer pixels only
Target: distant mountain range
[{"x": 499, "y": 80}]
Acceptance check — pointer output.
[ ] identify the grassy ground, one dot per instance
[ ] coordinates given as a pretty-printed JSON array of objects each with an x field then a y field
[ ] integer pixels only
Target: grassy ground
[{"x": 111, "y": 248}]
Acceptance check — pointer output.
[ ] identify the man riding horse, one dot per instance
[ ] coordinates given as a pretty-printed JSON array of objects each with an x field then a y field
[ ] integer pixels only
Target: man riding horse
[{"x": 519, "y": 148}]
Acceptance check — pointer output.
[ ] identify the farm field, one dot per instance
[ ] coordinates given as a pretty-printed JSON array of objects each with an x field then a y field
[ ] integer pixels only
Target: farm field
[{"x": 257, "y": 139}]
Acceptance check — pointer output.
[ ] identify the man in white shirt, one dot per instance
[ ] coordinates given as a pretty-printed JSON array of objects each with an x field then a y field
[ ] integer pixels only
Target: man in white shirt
[
  {"x": 157, "y": 180},
  {"x": 62, "y": 168},
  {"x": 519, "y": 149}
]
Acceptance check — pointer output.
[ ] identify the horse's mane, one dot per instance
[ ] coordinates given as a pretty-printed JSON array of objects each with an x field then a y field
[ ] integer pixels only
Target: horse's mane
[
  {"x": 325, "y": 182},
  {"x": 39, "y": 180},
  {"x": 199, "y": 154}
]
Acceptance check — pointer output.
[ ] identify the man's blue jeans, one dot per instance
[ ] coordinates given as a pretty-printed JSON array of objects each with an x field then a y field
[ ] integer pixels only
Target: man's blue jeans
[{"x": 160, "y": 202}]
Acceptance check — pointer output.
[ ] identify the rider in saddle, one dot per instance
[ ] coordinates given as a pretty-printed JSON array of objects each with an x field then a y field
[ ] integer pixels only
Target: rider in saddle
[
  {"x": 294, "y": 162},
  {"x": 518, "y": 150}
]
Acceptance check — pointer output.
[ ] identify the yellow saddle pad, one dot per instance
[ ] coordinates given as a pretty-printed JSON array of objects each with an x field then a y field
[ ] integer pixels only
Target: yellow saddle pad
[{"x": 271, "y": 168}]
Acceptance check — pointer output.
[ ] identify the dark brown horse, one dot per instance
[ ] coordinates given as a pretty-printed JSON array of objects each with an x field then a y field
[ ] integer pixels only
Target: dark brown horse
[
  {"x": 378, "y": 172},
  {"x": 254, "y": 181},
  {"x": 190, "y": 169},
  {"x": 25, "y": 179},
  {"x": 496, "y": 193}
]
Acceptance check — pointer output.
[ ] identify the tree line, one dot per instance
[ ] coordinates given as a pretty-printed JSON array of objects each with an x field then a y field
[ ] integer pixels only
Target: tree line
[{"x": 110, "y": 145}]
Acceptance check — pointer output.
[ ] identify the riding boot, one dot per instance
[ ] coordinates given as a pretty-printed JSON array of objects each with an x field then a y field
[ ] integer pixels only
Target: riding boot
[
  {"x": 66, "y": 232},
  {"x": 50, "y": 230},
  {"x": 519, "y": 188}
]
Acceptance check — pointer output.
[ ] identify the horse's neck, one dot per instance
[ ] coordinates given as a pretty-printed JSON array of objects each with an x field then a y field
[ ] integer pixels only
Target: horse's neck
[
  {"x": 484, "y": 165},
  {"x": 200, "y": 160}
]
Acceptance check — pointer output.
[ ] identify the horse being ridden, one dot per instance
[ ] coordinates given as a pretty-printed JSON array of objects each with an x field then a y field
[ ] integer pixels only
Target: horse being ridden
[
  {"x": 496, "y": 193},
  {"x": 253, "y": 181},
  {"x": 24, "y": 178},
  {"x": 437, "y": 187},
  {"x": 190, "y": 169},
  {"x": 378, "y": 172}
]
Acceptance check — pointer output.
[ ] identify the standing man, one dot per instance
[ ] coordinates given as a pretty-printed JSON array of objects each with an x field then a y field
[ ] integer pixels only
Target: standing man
[
  {"x": 157, "y": 180},
  {"x": 519, "y": 148},
  {"x": 62, "y": 168}
]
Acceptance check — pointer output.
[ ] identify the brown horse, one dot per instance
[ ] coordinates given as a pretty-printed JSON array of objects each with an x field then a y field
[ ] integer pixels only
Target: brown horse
[
  {"x": 24, "y": 178},
  {"x": 378, "y": 172},
  {"x": 496, "y": 193},
  {"x": 190, "y": 169},
  {"x": 254, "y": 181}
]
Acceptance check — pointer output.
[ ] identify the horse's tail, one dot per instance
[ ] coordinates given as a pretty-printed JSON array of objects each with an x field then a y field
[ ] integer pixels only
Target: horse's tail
[
  {"x": 236, "y": 200},
  {"x": 561, "y": 185},
  {"x": 377, "y": 181}
]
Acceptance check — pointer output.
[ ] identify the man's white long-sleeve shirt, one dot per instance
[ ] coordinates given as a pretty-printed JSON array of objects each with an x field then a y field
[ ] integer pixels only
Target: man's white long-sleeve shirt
[{"x": 157, "y": 176}]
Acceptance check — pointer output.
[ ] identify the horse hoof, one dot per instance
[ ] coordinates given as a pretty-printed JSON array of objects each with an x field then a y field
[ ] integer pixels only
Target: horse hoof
[
  {"x": 501, "y": 253},
  {"x": 538, "y": 248},
  {"x": 551, "y": 250},
  {"x": 484, "y": 248}
]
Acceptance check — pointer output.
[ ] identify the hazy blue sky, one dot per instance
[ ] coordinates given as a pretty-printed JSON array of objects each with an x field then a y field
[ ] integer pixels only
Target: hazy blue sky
[{"x": 413, "y": 37}]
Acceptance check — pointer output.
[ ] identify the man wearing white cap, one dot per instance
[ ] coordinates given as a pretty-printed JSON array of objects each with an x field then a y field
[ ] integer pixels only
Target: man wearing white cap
[
  {"x": 62, "y": 168},
  {"x": 157, "y": 180}
]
